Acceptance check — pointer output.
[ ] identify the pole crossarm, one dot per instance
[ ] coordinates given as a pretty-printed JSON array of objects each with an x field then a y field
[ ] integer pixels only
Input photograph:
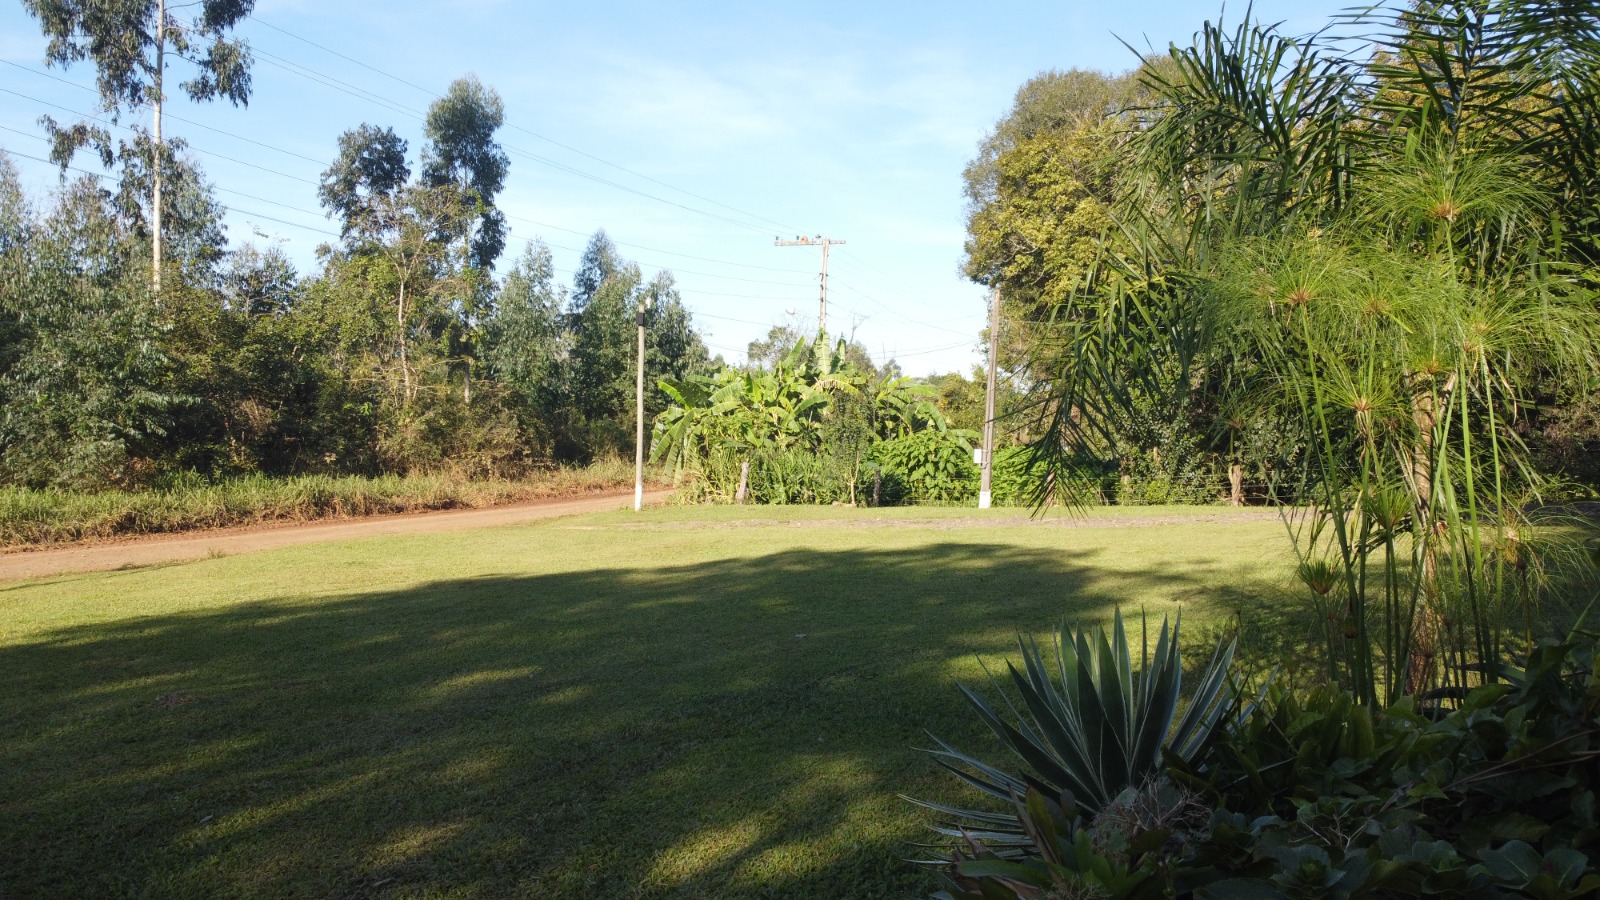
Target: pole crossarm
[{"x": 824, "y": 243}]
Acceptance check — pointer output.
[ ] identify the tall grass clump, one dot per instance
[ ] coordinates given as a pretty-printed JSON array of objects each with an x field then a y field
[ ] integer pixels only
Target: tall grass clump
[{"x": 31, "y": 516}]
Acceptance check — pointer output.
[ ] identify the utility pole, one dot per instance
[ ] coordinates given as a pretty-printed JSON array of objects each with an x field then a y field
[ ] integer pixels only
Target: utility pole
[
  {"x": 825, "y": 243},
  {"x": 984, "y": 494},
  {"x": 638, "y": 399}
]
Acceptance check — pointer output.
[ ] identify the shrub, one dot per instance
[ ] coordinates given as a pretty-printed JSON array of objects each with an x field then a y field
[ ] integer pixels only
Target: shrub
[
  {"x": 1092, "y": 739},
  {"x": 929, "y": 466},
  {"x": 1321, "y": 796}
]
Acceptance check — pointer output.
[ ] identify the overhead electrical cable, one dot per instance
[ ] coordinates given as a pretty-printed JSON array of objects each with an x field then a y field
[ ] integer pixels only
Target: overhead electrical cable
[
  {"x": 371, "y": 97},
  {"x": 533, "y": 134},
  {"x": 265, "y": 145},
  {"x": 104, "y": 177},
  {"x": 188, "y": 145},
  {"x": 359, "y": 93},
  {"x": 211, "y": 153},
  {"x": 168, "y": 115}
]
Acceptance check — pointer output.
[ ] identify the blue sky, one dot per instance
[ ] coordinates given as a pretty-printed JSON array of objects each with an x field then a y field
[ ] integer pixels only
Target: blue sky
[{"x": 850, "y": 120}]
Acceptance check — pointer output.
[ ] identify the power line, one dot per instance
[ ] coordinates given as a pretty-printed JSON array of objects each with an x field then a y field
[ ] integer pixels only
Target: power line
[
  {"x": 164, "y": 114},
  {"x": 319, "y": 162},
  {"x": 935, "y": 349},
  {"x": 554, "y": 269},
  {"x": 321, "y": 215},
  {"x": 895, "y": 312},
  {"x": 371, "y": 97},
  {"x": 211, "y": 153},
  {"x": 346, "y": 87},
  {"x": 258, "y": 215},
  {"x": 368, "y": 96},
  {"x": 328, "y": 81},
  {"x": 102, "y": 176},
  {"x": 725, "y": 262},
  {"x": 533, "y": 134},
  {"x": 314, "y": 213}
]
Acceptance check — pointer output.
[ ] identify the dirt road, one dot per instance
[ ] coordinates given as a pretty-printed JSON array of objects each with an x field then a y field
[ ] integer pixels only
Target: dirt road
[{"x": 229, "y": 541}]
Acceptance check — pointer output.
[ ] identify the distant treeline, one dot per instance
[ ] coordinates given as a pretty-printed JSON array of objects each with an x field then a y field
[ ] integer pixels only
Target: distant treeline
[{"x": 404, "y": 352}]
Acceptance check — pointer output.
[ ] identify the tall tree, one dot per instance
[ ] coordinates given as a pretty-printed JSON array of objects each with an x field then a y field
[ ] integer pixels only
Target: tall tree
[
  {"x": 673, "y": 349},
  {"x": 370, "y": 170},
  {"x": 462, "y": 151},
  {"x": 128, "y": 42},
  {"x": 82, "y": 390},
  {"x": 527, "y": 344},
  {"x": 599, "y": 263}
]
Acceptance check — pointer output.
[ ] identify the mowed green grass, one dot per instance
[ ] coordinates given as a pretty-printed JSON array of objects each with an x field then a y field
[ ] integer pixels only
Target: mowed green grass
[{"x": 680, "y": 703}]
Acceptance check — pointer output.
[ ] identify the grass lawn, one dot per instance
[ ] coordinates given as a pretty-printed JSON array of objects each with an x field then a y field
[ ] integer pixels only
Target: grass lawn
[{"x": 687, "y": 702}]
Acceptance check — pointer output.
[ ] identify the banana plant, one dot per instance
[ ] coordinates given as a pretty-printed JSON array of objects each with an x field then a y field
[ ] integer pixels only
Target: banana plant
[{"x": 783, "y": 408}]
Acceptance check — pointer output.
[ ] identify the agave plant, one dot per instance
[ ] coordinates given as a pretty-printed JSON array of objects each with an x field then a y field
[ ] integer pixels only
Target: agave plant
[{"x": 1089, "y": 728}]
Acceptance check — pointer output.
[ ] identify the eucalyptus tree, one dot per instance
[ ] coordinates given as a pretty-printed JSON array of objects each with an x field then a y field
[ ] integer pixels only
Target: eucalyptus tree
[
  {"x": 409, "y": 227},
  {"x": 462, "y": 154},
  {"x": 369, "y": 171},
  {"x": 600, "y": 261},
  {"x": 462, "y": 151},
  {"x": 84, "y": 386},
  {"x": 128, "y": 41},
  {"x": 527, "y": 343},
  {"x": 1389, "y": 252}
]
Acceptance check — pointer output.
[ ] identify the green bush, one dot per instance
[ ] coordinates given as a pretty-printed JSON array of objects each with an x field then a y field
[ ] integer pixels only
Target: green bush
[
  {"x": 1319, "y": 796},
  {"x": 929, "y": 466},
  {"x": 798, "y": 477},
  {"x": 1018, "y": 482}
]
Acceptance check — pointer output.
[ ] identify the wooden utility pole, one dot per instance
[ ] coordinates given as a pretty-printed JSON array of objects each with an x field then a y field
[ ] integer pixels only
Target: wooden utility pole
[
  {"x": 825, "y": 243},
  {"x": 985, "y": 497}
]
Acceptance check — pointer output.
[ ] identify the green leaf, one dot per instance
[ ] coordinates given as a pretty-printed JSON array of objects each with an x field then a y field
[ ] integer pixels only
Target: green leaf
[{"x": 1516, "y": 863}]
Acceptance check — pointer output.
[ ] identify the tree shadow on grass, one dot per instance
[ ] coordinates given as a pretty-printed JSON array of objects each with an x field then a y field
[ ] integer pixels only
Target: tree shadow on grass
[{"x": 738, "y": 728}]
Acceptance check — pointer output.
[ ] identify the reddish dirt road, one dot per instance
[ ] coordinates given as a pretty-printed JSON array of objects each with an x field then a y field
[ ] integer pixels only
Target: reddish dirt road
[{"x": 230, "y": 541}]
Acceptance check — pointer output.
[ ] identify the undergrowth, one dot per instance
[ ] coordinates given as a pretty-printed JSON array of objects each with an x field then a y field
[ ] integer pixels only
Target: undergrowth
[{"x": 29, "y": 516}]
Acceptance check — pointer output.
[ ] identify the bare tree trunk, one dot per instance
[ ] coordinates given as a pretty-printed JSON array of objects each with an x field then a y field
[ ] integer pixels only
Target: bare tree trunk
[
  {"x": 158, "y": 159},
  {"x": 744, "y": 483},
  {"x": 400, "y": 322},
  {"x": 1236, "y": 484}
]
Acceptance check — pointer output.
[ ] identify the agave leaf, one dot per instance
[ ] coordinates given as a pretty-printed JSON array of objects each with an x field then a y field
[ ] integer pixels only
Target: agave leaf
[
  {"x": 1067, "y": 743},
  {"x": 1025, "y": 745},
  {"x": 993, "y": 789},
  {"x": 1204, "y": 710},
  {"x": 1155, "y": 716},
  {"x": 987, "y": 816}
]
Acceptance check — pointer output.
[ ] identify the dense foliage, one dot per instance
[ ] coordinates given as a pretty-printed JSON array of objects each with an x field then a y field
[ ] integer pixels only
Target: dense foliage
[
  {"x": 1364, "y": 274},
  {"x": 1356, "y": 274},
  {"x": 1151, "y": 232},
  {"x": 819, "y": 425},
  {"x": 1309, "y": 795},
  {"x": 402, "y": 354}
]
